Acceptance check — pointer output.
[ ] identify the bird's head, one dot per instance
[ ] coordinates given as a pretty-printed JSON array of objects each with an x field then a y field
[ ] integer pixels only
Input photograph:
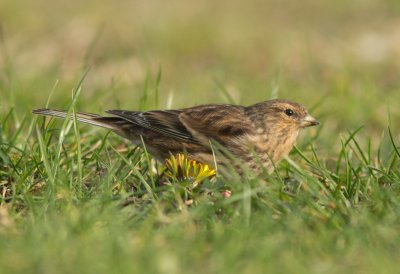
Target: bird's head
[{"x": 289, "y": 113}]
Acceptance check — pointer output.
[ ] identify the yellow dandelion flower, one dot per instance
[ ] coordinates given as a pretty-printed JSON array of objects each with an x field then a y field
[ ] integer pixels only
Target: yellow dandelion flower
[{"x": 181, "y": 168}]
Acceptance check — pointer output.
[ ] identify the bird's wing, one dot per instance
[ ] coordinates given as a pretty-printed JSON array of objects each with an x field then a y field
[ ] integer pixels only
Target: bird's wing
[
  {"x": 226, "y": 124},
  {"x": 162, "y": 121}
]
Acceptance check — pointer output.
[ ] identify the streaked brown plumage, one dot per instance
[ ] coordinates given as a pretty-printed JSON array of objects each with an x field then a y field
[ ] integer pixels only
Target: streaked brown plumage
[{"x": 268, "y": 129}]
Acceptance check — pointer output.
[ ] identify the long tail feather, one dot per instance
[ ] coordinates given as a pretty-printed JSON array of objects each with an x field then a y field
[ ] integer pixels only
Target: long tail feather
[{"x": 88, "y": 118}]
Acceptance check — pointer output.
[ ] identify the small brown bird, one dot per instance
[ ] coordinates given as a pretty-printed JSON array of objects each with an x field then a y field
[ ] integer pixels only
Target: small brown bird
[{"x": 268, "y": 129}]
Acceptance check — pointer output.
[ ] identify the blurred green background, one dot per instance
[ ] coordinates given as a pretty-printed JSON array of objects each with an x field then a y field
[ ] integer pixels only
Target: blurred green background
[{"x": 341, "y": 56}]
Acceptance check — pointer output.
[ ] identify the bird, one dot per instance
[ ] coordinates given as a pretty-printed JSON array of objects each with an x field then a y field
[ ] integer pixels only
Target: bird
[{"x": 259, "y": 134}]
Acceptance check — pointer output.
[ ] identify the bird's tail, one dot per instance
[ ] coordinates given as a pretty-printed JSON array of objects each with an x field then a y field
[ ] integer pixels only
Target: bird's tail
[{"x": 88, "y": 118}]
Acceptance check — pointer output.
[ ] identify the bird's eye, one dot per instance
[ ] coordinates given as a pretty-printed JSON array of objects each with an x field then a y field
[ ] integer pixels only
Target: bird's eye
[{"x": 289, "y": 112}]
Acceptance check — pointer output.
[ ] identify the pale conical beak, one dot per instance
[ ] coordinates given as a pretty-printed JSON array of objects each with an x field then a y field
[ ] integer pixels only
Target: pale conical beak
[{"x": 309, "y": 121}]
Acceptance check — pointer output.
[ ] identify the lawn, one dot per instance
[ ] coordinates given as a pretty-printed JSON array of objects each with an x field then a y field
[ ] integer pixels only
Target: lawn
[{"x": 79, "y": 199}]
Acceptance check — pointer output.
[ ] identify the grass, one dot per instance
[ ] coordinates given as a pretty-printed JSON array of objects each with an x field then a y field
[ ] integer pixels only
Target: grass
[
  {"x": 81, "y": 202},
  {"x": 78, "y": 199}
]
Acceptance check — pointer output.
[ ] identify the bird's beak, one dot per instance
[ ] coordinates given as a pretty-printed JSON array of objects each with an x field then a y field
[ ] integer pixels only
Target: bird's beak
[{"x": 309, "y": 121}]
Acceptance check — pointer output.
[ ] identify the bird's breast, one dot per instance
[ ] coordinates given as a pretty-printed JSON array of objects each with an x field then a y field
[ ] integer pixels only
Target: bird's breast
[{"x": 271, "y": 147}]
